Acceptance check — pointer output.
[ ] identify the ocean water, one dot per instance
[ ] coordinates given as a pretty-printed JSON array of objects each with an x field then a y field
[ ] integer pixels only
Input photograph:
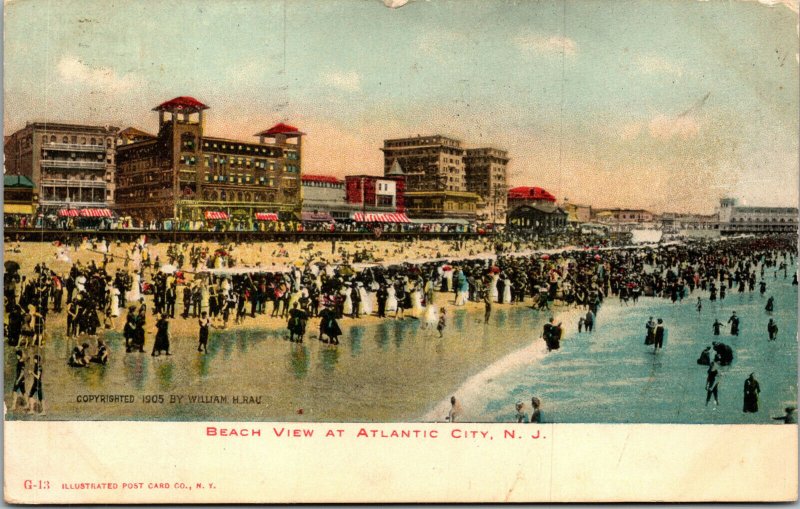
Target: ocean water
[{"x": 610, "y": 376}]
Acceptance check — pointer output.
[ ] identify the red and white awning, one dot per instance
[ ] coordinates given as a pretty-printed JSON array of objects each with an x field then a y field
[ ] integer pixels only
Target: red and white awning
[
  {"x": 84, "y": 213},
  {"x": 94, "y": 213},
  {"x": 368, "y": 217},
  {"x": 216, "y": 214},
  {"x": 266, "y": 216}
]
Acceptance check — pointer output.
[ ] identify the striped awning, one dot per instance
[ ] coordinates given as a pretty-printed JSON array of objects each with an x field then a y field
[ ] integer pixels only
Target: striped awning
[
  {"x": 266, "y": 216},
  {"x": 368, "y": 217},
  {"x": 216, "y": 214},
  {"x": 68, "y": 213},
  {"x": 94, "y": 213}
]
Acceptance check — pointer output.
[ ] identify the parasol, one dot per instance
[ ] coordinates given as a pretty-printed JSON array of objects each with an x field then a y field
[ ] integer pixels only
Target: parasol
[{"x": 11, "y": 266}]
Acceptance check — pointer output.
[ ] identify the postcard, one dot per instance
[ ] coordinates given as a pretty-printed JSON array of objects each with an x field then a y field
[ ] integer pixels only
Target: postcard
[{"x": 400, "y": 251}]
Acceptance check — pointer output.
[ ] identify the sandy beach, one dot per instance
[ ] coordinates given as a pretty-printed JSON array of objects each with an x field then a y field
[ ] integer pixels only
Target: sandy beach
[{"x": 384, "y": 370}]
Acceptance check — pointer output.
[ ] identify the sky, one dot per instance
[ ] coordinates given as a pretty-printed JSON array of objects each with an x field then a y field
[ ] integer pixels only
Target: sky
[{"x": 660, "y": 104}]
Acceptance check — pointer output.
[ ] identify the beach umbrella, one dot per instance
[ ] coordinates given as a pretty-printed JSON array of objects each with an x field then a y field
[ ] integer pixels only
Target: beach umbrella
[
  {"x": 11, "y": 266},
  {"x": 545, "y": 257},
  {"x": 447, "y": 268},
  {"x": 597, "y": 257},
  {"x": 494, "y": 269},
  {"x": 168, "y": 268}
]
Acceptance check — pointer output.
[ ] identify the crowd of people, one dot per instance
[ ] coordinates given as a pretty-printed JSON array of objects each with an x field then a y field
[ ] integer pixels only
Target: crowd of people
[{"x": 210, "y": 287}]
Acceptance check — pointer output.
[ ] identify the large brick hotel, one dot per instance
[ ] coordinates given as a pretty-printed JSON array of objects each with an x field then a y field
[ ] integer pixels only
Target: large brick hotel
[{"x": 182, "y": 174}]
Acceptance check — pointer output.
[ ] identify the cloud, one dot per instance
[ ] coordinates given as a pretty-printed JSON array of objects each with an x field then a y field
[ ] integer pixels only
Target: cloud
[
  {"x": 555, "y": 44},
  {"x": 684, "y": 127},
  {"x": 73, "y": 71},
  {"x": 349, "y": 81},
  {"x": 659, "y": 65}
]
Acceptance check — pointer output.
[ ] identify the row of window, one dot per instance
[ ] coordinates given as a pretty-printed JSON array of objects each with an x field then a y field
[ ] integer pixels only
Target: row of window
[
  {"x": 256, "y": 149},
  {"x": 75, "y": 140}
]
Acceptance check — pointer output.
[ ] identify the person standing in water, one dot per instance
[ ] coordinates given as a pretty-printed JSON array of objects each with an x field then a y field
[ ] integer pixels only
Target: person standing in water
[
  {"x": 734, "y": 321},
  {"x": 772, "y": 329},
  {"x": 659, "y": 334},
  {"x": 751, "y": 391},
  {"x": 536, "y": 413},
  {"x": 699, "y": 305},
  {"x": 717, "y": 325},
  {"x": 712, "y": 383},
  {"x": 204, "y": 323},
  {"x": 442, "y": 321},
  {"x": 770, "y": 307},
  {"x": 650, "y": 337}
]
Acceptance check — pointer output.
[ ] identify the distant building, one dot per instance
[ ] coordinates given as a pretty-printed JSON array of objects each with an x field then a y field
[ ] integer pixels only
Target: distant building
[
  {"x": 435, "y": 177},
  {"x": 185, "y": 175},
  {"x": 132, "y": 135},
  {"x": 736, "y": 219},
  {"x": 19, "y": 199},
  {"x": 324, "y": 199},
  {"x": 71, "y": 166},
  {"x": 690, "y": 225},
  {"x": 430, "y": 163},
  {"x": 637, "y": 216},
  {"x": 577, "y": 213},
  {"x": 535, "y": 210},
  {"x": 486, "y": 176},
  {"x": 538, "y": 218},
  {"x": 373, "y": 193}
]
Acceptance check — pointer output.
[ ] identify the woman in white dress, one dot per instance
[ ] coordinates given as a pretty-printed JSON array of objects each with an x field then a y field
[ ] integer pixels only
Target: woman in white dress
[
  {"x": 416, "y": 301},
  {"x": 134, "y": 293},
  {"x": 507, "y": 290},
  {"x": 114, "y": 302},
  {"x": 495, "y": 295},
  {"x": 391, "y": 299},
  {"x": 347, "y": 309},
  {"x": 366, "y": 301}
]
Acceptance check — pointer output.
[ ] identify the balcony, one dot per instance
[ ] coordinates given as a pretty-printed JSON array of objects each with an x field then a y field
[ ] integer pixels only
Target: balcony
[
  {"x": 73, "y": 147},
  {"x": 73, "y": 183},
  {"x": 88, "y": 165}
]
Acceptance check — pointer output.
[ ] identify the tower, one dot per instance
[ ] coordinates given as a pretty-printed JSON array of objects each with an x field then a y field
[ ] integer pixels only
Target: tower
[{"x": 180, "y": 120}]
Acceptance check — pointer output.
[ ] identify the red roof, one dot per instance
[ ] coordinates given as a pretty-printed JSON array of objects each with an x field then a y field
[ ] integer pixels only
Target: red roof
[
  {"x": 183, "y": 102},
  {"x": 530, "y": 193},
  {"x": 320, "y": 178},
  {"x": 280, "y": 128}
]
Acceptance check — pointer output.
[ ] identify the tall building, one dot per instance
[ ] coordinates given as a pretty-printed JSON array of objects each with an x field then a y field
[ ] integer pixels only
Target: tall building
[
  {"x": 435, "y": 177},
  {"x": 430, "y": 163},
  {"x": 485, "y": 174},
  {"x": 184, "y": 175},
  {"x": 71, "y": 165}
]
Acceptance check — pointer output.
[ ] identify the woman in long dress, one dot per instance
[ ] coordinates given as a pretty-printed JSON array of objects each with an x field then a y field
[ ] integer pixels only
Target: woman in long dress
[
  {"x": 366, "y": 301},
  {"x": 416, "y": 301},
  {"x": 347, "y": 309},
  {"x": 495, "y": 295},
  {"x": 114, "y": 302},
  {"x": 391, "y": 299},
  {"x": 134, "y": 294},
  {"x": 507, "y": 290}
]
